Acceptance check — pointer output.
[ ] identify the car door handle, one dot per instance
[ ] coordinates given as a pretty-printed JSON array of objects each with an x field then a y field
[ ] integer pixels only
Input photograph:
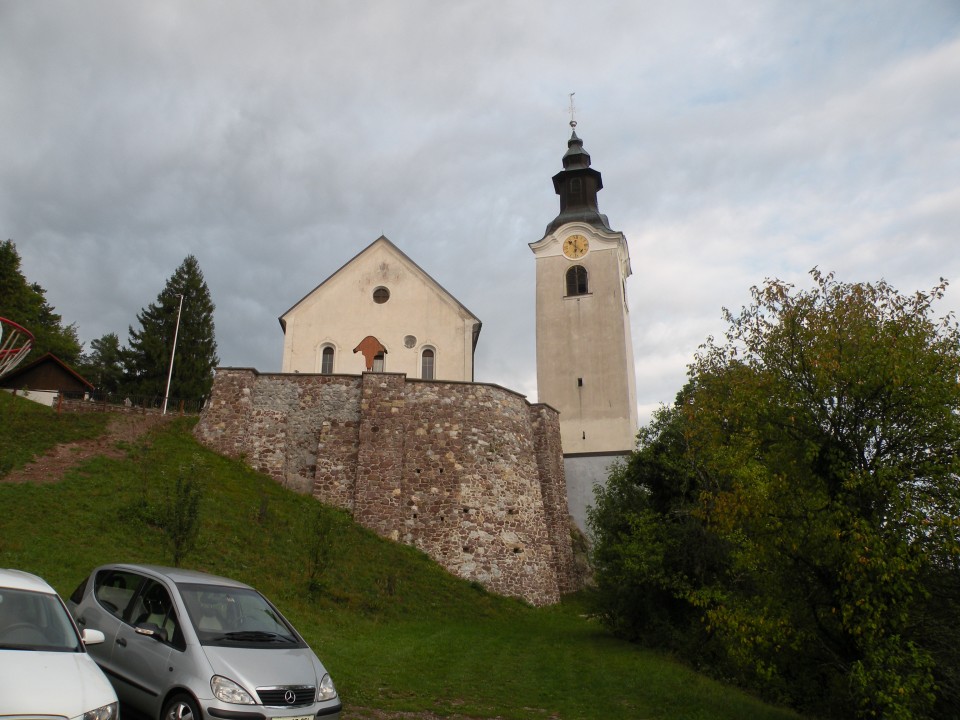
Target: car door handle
[{"x": 121, "y": 642}]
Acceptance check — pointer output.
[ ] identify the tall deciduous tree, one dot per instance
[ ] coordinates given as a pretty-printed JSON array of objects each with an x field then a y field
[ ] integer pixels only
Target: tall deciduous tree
[
  {"x": 822, "y": 438},
  {"x": 26, "y": 304},
  {"x": 147, "y": 357}
]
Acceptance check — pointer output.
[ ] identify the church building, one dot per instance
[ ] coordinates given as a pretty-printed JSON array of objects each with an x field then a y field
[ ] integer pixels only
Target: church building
[
  {"x": 585, "y": 366},
  {"x": 377, "y": 410},
  {"x": 380, "y": 312}
]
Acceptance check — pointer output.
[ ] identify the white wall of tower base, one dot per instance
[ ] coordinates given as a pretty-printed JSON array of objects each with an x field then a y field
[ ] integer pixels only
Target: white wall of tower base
[{"x": 583, "y": 474}]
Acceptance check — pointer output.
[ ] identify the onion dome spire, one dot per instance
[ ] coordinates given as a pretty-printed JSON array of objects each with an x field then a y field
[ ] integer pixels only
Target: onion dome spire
[{"x": 577, "y": 185}]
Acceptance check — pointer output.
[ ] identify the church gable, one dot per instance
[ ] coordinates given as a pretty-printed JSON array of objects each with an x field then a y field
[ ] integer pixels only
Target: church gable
[{"x": 383, "y": 295}]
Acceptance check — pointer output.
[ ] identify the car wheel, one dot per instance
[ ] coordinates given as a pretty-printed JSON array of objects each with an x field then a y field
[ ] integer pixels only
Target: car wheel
[{"x": 181, "y": 707}]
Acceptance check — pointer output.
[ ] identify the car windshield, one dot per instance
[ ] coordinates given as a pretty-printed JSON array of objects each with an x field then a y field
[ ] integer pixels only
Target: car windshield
[
  {"x": 35, "y": 621},
  {"x": 233, "y": 616}
]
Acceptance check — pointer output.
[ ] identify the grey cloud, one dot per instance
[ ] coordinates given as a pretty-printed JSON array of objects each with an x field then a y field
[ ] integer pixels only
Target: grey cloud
[{"x": 276, "y": 140}]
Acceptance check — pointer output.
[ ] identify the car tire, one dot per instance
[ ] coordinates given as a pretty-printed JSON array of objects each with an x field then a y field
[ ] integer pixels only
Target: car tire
[{"x": 181, "y": 707}]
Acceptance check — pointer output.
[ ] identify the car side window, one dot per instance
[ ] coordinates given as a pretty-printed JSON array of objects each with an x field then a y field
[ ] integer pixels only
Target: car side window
[
  {"x": 114, "y": 590},
  {"x": 154, "y": 610},
  {"x": 77, "y": 596}
]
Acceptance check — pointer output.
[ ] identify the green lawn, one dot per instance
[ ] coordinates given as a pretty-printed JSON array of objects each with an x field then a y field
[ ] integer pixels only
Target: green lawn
[{"x": 395, "y": 631}]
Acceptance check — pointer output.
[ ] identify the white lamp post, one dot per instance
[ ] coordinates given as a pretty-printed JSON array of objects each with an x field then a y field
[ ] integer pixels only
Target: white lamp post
[{"x": 173, "y": 352}]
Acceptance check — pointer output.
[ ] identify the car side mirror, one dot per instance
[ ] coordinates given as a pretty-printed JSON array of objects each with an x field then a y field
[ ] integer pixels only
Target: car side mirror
[
  {"x": 92, "y": 637},
  {"x": 152, "y": 630}
]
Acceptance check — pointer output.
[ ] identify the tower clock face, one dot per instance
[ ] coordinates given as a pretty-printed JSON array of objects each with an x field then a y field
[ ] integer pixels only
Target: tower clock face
[{"x": 575, "y": 246}]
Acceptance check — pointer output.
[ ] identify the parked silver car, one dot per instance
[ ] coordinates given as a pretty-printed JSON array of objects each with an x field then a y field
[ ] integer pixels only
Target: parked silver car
[{"x": 185, "y": 645}]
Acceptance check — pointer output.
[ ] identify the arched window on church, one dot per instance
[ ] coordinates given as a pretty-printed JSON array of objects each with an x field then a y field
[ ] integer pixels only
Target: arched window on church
[
  {"x": 577, "y": 280},
  {"x": 326, "y": 360},
  {"x": 427, "y": 358},
  {"x": 378, "y": 362}
]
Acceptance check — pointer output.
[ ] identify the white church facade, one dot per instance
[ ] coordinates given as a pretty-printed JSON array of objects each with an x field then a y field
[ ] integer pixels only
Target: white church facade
[{"x": 380, "y": 312}]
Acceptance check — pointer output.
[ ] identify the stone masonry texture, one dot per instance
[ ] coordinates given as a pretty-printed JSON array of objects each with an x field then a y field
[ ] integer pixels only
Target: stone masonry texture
[{"x": 472, "y": 474}]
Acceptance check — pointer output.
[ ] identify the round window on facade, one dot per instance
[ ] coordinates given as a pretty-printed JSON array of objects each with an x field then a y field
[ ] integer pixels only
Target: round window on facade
[{"x": 381, "y": 295}]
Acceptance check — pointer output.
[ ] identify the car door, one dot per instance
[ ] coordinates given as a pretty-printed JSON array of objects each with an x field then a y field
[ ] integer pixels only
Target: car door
[
  {"x": 144, "y": 645},
  {"x": 104, "y": 609}
]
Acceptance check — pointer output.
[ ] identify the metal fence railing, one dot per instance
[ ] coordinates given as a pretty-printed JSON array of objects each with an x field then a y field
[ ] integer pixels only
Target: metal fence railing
[{"x": 98, "y": 400}]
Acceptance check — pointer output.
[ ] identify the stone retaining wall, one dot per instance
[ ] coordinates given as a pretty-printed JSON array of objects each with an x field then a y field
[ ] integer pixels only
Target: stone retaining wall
[{"x": 471, "y": 474}]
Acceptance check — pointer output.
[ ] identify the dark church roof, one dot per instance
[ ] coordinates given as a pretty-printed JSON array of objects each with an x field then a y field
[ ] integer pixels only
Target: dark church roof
[{"x": 577, "y": 185}]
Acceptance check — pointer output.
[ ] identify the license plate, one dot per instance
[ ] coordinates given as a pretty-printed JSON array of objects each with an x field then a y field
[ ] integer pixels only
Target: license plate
[{"x": 295, "y": 717}]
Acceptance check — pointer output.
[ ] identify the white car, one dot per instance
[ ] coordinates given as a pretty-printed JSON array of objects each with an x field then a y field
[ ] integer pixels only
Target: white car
[{"x": 45, "y": 670}]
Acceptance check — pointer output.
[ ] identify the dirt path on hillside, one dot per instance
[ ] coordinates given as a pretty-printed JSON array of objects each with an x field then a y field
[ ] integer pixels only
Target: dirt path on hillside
[{"x": 51, "y": 467}]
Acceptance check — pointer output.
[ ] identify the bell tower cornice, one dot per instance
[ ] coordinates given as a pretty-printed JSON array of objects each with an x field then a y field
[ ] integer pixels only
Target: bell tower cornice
[{"x": 600, "y": 237}]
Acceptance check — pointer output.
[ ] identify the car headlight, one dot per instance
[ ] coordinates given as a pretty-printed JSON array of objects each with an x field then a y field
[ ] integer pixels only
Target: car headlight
[
  {"x": 107, "y": 712},
  {"x": 326, "y": 691},
  {"x": 228, "y": 691}
]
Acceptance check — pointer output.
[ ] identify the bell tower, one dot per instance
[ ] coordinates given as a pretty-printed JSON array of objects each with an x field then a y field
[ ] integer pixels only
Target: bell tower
[{"x": 585, "y": 365}]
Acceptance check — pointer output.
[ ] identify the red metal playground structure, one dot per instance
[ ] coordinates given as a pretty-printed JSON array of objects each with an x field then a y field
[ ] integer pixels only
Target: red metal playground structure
[{"x": 15, "y": 344}]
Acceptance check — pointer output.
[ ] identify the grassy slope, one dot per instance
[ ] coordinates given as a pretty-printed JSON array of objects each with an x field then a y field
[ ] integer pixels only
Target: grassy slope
[
  {"x": 27, "y": 429},
  {"x": 396, "y": 631}
]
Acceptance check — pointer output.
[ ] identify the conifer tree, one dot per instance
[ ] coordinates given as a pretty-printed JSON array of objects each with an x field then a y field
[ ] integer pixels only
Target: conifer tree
[
  {"x": 26, "y": 304},
  {"x": 147, "y": 357},
  {"x": 103, "y": 365}
]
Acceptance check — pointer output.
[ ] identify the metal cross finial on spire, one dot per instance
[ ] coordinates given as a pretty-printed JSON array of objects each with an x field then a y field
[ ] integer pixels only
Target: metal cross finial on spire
[{"x": 573, "y": 122}]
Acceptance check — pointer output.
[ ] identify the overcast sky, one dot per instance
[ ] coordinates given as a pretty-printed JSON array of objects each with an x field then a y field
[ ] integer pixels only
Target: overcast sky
[{"x": 738, "y": 140}]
